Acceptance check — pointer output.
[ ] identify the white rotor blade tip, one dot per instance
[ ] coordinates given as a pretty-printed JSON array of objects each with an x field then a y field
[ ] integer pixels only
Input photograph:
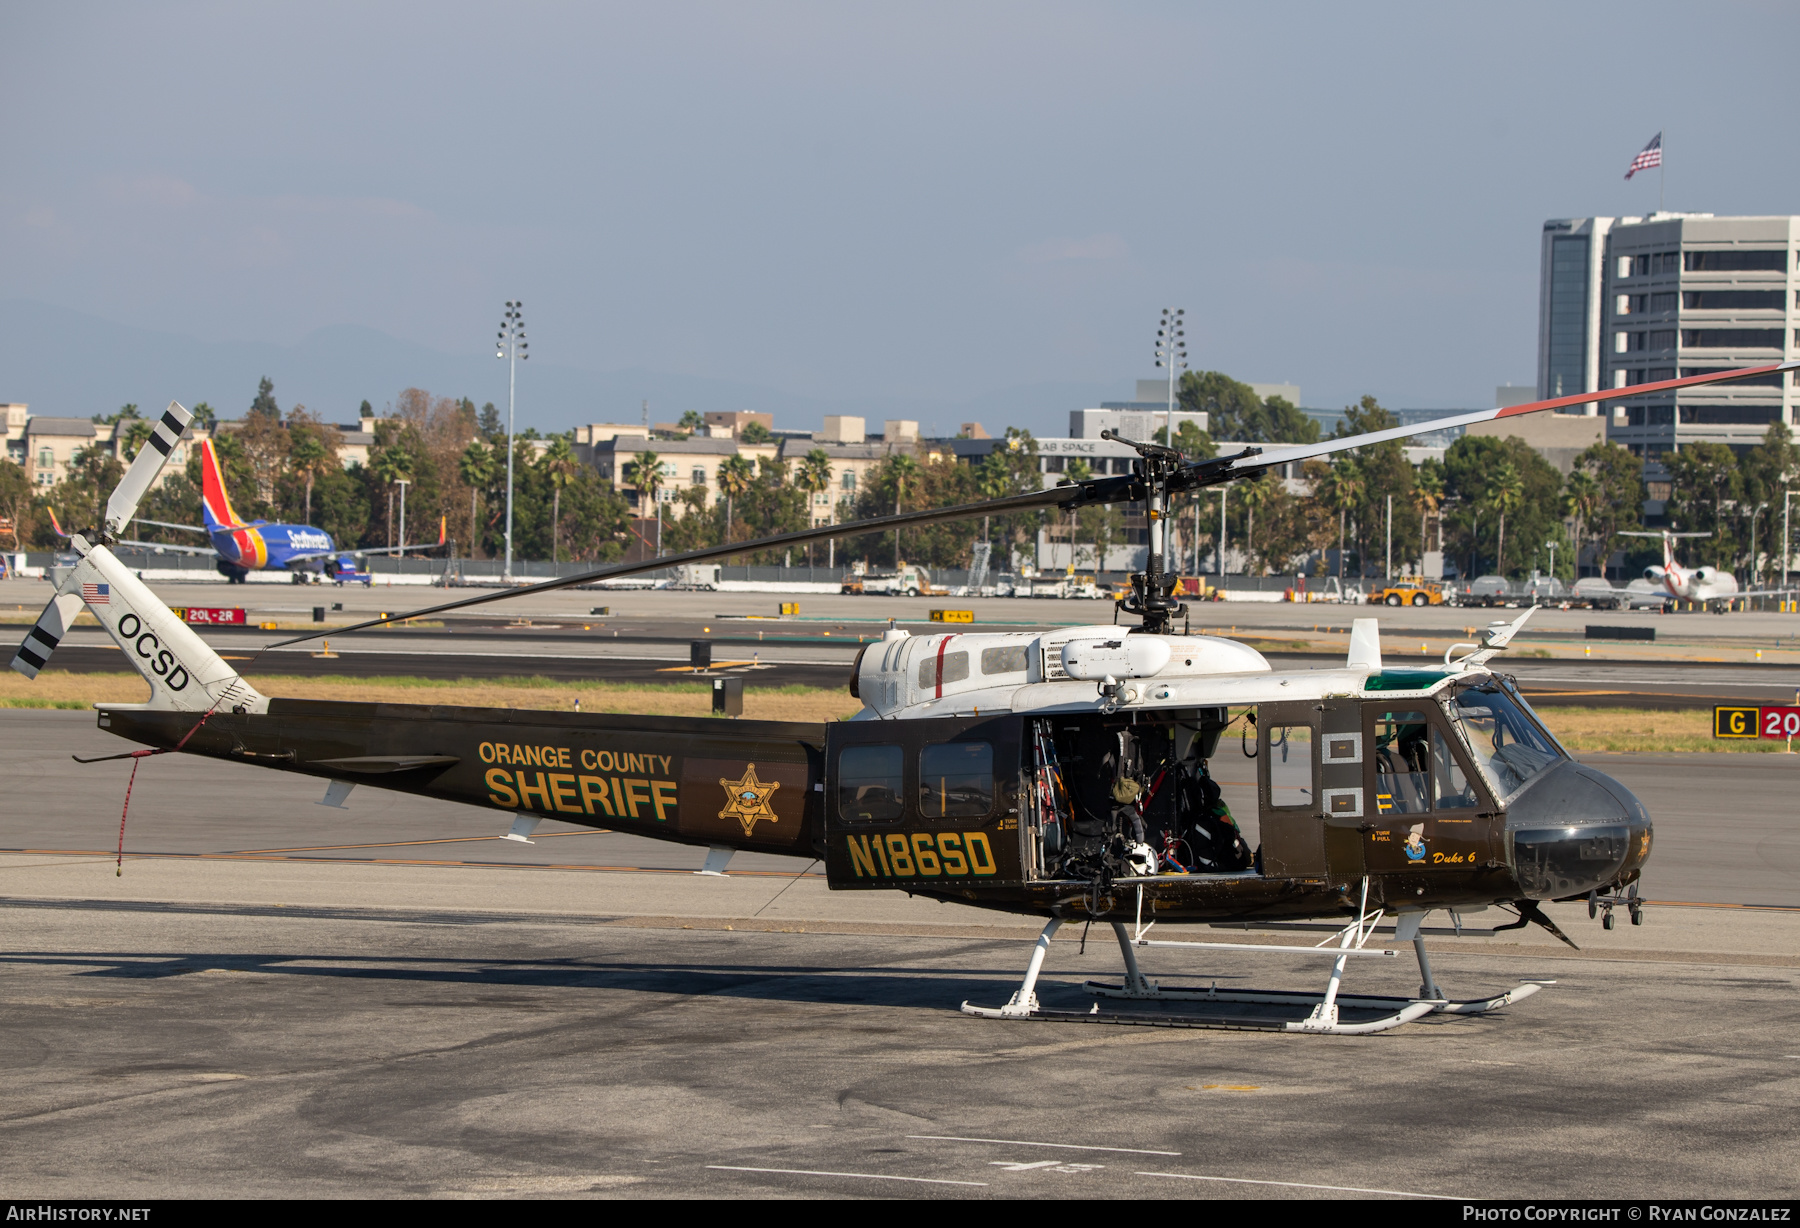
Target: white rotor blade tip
[{"x": 123, "y": 504}]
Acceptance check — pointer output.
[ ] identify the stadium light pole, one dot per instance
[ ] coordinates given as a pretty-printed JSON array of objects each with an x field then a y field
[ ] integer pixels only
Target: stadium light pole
[
  {"x": 402, "y": 483},
  {"x": 1171, "y": 354},
  {"x": 1786, "y": 541},
  {"x": 512, "y": 346}
]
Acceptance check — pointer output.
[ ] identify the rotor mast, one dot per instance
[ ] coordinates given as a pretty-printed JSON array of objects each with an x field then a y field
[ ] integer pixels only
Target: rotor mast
[{"x": 1152, "y": 596}]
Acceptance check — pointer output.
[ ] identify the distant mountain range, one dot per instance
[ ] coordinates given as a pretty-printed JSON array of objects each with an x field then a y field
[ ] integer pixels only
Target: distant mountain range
[{"x": 70, "y": 364}]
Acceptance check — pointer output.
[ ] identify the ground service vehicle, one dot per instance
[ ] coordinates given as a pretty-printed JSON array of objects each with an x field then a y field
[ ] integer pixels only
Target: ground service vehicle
[
  {"x": 1413, "y": 590},
  {"x": 909, "y": 581},
  {"x": 1066, "y": 775}
]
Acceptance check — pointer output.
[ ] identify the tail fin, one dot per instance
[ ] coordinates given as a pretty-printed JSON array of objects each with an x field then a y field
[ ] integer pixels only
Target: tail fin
[
  {"x": 1668, "y": 551},
  {"x": 54, "y": 524},
  {"x": 184, "y": 673},
  {"x": 443, "y": 528},
  {"x": 215, "y": 505}
]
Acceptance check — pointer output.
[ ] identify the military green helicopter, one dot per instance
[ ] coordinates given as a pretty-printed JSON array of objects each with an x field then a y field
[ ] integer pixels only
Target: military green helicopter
[{"x": 1062, "y": 775}]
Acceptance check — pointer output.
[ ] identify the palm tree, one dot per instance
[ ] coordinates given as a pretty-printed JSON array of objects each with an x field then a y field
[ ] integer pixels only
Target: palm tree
[
  {"x": 392, "y": 464},
  {"x": 1427, "y": 497},
  {"x": 1259, "y": 492},
  {"x": 994, "y": 480},
  {"x": 1581, "y": 499},
  {"x": 735, "y": 476},
  {"x": 1343, "y": 492},
  {"x": 1505, "y": 493},
  {"x": 560, "y": 467},
  {"x": 476, "y": 467},
  {"x": 902, "y": 471},
  {"x": 131, "y": 433},
  {"x": 646, "y": 475},
  {"x": 308, "y": 457},
  {"x": 813, "y": 475}
]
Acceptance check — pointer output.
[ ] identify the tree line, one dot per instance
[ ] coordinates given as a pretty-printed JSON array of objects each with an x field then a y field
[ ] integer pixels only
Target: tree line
[{"x": 1494, "y": 504}]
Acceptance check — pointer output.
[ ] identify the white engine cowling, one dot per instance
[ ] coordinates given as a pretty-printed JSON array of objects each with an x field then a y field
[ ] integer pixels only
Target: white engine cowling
[{"x": 1120, "y": 656}]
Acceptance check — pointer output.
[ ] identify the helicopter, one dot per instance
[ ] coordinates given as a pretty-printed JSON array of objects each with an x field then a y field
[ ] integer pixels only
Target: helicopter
[{"x": 1063, "y": 775}]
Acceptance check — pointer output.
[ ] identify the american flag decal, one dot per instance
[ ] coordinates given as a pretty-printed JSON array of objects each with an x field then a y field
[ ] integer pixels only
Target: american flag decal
[
  {"x": 96, "y": 594},
  {"x": 1651, "y": 156}
]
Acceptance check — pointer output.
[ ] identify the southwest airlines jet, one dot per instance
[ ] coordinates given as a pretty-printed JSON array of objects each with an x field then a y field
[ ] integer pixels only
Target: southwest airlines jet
[{"x": 242, "y": 547}]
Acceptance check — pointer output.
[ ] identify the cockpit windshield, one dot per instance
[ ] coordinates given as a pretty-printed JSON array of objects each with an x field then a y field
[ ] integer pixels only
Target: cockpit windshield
[{"x": 1507, "y": 742}]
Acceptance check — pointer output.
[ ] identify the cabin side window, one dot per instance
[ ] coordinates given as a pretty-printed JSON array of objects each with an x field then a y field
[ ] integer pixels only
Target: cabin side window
[
  {"x": 1007, "y": 659},
  {"x": 1403, "y": 768},
  {"x": 956, "y": 780},
  {"x": 1450, "y": 785},
  {"x": 1291, "y": 752},
  {"x": 954, "y": 664},
  {"x": 871, "y": 783},
  {"x": 1415, "y": 771}
]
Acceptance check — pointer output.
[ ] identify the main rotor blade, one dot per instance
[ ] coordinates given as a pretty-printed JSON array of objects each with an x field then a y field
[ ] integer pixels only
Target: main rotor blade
[
  {"x": 1101, "y": 490},
  {"x": 1326, "y": 447},
  {"x": 123, "y": 503}
]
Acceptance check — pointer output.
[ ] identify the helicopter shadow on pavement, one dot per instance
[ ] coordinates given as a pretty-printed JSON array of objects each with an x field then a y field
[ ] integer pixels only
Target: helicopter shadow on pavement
[{"x": 849, "y": 985}]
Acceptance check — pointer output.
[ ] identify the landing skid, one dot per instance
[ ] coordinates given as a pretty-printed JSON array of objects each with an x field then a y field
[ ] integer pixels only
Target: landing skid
[
  {"x": 1301, "y": 997},
  {"x": 1324, "y": 1018}
]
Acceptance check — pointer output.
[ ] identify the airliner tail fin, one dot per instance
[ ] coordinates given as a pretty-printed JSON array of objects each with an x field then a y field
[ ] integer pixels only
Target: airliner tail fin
[{"x": 215, "y": 505}]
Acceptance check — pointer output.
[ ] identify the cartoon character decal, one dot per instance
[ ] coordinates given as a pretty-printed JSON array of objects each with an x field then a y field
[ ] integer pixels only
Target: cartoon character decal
[{"x": 1415, "y": 842}]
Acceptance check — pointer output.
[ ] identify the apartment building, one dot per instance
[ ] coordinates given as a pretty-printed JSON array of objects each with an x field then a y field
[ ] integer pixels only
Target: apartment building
[{"x": 1634, "y": 300}]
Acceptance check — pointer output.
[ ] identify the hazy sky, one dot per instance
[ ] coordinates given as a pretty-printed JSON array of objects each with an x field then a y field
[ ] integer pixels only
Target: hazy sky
[{"x": 916, "y": 201}]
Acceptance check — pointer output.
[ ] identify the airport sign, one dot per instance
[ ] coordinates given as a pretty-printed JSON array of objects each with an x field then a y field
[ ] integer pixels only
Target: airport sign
[
  {"x": 206, "y": 616},
  {"x": 1745, "y": 722}
]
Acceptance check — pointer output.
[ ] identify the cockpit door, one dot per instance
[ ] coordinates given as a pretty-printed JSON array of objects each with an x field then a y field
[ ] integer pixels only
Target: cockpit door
[
  {"x": 1290, "y": 813},
  {"x": 1427, "y": 810}
]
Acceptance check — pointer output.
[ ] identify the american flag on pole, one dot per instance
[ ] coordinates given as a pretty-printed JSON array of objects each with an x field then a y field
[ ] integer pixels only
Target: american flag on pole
[
  {"x": 96, "y": 594},
  {"x": 1651, "y": 156}
]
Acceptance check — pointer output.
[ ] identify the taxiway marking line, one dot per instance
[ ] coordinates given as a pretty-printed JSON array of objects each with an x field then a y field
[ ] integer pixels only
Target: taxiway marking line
[
  {"x": 1014, "y": 1142},
  {"x": 813, "y": 1172},
  {"x": 1303, "y": 1185}
]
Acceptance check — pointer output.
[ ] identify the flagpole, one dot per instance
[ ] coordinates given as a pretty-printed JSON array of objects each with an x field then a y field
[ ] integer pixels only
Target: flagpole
[{"x": 1663, "y": 153}]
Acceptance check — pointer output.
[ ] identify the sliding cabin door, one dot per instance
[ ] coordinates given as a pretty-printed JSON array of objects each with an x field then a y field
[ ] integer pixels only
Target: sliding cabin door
[{"x": 1289, "y": 810}]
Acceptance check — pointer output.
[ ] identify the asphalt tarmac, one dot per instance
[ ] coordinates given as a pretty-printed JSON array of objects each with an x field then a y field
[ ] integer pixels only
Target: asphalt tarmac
[{"x": 384, "y": 1053}]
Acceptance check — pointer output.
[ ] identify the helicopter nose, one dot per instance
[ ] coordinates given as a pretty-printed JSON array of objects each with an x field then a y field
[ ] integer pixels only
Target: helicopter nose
[{"x": 1574, "y": 831}]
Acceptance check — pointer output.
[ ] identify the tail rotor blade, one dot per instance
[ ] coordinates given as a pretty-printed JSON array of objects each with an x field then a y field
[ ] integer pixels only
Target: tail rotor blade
[
  {"x": 42, "y": 639},
  {"x": 123, "y": 504}
]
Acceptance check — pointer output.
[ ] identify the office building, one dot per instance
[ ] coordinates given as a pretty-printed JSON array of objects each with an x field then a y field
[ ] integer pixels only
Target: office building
[{"x": 1635, "y": 300}]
